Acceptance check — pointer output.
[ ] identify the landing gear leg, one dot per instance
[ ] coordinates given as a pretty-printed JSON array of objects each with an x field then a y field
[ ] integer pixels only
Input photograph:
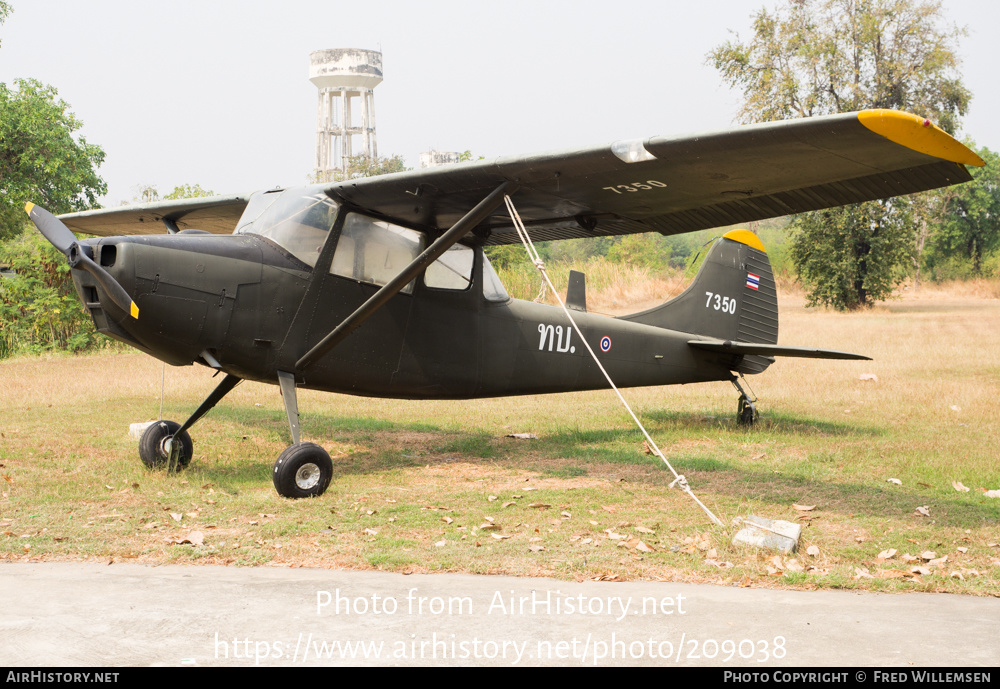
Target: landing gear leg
[
  {"x": 303, "y": 470},
  {"x": 167, "y": 445},
  {"x": 746, "y": 409}
]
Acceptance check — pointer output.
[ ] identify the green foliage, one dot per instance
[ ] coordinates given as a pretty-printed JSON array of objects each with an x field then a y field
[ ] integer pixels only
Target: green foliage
[
  {"x": 971, "y": 225},
  {"x": 852, "y": 256},
  {"x": 507, "y": 256},
  {"x": 39, "y": 307},
  {"x": 188, "y": 191},
  {"x": 144, "y": 193},
  {"x": 148, "y": 193},
  {"x": 40, "y": 160},
  {"x": 643, "y": 250},
  {"x": 363, "y": 166},
  {"x": 816, "y": 57}
]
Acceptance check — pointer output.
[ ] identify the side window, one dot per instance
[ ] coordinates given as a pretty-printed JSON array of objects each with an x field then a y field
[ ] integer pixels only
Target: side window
[
  {"x": 375, "y": 251},
  {"x": 452, "y": 271}
]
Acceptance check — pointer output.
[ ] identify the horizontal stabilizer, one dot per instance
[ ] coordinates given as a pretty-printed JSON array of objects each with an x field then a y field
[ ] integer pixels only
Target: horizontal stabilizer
[{"x": 730, "y": 347}]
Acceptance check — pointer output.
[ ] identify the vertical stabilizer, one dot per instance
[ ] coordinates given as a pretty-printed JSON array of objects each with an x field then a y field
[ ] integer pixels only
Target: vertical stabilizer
[{"x": 733, "y": 297}]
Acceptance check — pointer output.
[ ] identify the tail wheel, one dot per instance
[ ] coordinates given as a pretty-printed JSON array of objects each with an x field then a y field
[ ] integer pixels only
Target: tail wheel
[
  {"x": 746, "y": 413},
  {"x": 303, "y": 470},
  {"x": 159, "y": 449}
]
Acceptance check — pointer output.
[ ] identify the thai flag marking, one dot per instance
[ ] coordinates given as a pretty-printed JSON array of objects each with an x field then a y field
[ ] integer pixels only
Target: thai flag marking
[{"x": 753, "y": 281}]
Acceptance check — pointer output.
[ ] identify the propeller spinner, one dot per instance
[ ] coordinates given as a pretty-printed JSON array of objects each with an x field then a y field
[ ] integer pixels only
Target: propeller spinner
[{"x": 60, "y": 236}]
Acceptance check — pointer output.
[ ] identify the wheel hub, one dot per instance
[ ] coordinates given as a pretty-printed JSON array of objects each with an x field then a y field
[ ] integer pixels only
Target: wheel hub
[{"x": 307, "y": 476}]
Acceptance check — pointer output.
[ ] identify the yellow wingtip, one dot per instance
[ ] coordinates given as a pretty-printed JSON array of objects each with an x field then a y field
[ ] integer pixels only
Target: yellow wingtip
[
  {"x": 919, "y": 134},
  {"x": 746, "y": 237},
  {"x": 134, "y": 311},
  {"x": 28, "y": 206}
]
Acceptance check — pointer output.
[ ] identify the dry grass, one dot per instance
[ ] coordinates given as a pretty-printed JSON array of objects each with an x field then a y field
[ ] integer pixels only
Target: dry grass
[
  {"x": 612, "y": 288},
  {"x": 979, "y": 288},
  {"x": 416, "y": 482}
]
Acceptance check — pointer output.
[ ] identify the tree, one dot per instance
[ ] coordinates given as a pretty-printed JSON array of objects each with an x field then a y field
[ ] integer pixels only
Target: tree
[
  {"x": 971, "y": 225},
  {"x": 39, "y": 307},
  {"x": 148, "y": 193},
  {"x": 187, "y": 191},
  {"x": 363, "y": 166},
  {"x": 40, "y": 160},
  {"x": 4, "y": 11},
  {"x": 648, "y": 250},
  {"x": 816, "y": 57},
  {"x": 851, "y": 256},
  {"x": 143, "y": 193}
]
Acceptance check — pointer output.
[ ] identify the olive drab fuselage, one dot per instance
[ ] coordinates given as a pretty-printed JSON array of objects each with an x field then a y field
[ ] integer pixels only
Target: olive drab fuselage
[{"x": 243, "y": 304}]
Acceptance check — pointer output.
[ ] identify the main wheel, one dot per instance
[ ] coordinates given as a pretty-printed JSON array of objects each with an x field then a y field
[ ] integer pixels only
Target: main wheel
[
  {"x": 158, "y": 449},
  {"x": 303, "y": 470}
]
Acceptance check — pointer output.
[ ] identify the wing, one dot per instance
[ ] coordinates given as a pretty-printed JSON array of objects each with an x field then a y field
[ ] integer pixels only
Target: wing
[
  {"x": 682, "y": 184},
  {"x": 216, "y": 214}
]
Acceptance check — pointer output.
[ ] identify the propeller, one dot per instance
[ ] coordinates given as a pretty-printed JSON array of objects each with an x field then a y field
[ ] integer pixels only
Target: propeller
[{"x": 60, "y": 236}]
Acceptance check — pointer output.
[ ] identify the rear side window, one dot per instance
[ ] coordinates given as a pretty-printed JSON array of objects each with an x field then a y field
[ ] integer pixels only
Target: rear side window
[{"x": 453, "y": 270}]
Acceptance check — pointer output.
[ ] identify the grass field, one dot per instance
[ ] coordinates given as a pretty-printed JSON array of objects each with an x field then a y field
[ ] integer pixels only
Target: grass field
[{"x": 436, "y": 486}]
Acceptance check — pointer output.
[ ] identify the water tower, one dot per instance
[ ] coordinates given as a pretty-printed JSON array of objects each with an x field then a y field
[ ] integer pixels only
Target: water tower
[{"x": 345, "y": 118}]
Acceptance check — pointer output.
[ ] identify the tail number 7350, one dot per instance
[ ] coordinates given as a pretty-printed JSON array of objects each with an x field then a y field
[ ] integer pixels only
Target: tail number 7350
[{"x": 720, "y": 303}]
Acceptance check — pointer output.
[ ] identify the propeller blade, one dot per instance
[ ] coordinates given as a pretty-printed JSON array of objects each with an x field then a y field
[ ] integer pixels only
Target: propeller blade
[
  {"x": 51, "y": 227},
  {"x": 60, "y": 236}
]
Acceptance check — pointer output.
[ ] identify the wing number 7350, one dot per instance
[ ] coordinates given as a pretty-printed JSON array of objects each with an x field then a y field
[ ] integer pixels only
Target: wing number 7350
[
  {"x": 720, "y": 303},
  {"x": 636, "y": 186}
]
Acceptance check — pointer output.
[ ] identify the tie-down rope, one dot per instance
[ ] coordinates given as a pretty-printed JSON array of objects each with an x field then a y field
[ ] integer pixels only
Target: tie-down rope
[{"x": 522, "y": 232}]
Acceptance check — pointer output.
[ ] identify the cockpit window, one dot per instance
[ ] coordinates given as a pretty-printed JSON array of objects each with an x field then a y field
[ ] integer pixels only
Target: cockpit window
[
  {"x": 297, "y": 222},
  {"x": 375, "y": 251}
]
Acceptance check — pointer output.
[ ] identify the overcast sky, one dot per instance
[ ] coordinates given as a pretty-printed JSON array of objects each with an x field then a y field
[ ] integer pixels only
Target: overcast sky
[{"x": 217, "y": 93}]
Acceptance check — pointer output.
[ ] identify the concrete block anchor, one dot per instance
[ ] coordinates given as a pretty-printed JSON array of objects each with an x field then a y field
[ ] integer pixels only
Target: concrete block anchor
[
  {"x": 769, "y": 534},
  {"x": 137, "y": 429}
]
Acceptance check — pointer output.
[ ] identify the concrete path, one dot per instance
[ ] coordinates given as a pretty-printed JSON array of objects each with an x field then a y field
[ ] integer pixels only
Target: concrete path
[{"x": 73, "y": 614}]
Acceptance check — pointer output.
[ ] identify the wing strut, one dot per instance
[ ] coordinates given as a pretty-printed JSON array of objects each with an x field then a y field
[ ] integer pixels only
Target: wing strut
[{"x": 482, "y": 210}]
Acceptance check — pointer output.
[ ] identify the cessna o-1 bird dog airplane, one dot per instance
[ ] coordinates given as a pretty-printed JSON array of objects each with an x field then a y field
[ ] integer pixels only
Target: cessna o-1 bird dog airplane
[{"x": 380, "y": 286}]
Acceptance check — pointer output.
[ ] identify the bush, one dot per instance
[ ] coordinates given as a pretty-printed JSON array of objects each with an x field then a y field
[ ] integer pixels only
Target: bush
[{"x": 39, "y": 308}]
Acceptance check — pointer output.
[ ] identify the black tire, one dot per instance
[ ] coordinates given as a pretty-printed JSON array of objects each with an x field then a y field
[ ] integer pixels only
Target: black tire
[
  {"x": 746, "y": 413},
  {"x": 303, "y": 470},
  {"x": 153, "y": 447}
]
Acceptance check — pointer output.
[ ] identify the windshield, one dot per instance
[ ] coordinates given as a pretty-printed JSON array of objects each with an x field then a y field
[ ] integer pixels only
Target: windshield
[{"x": 297, "y": 221}]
